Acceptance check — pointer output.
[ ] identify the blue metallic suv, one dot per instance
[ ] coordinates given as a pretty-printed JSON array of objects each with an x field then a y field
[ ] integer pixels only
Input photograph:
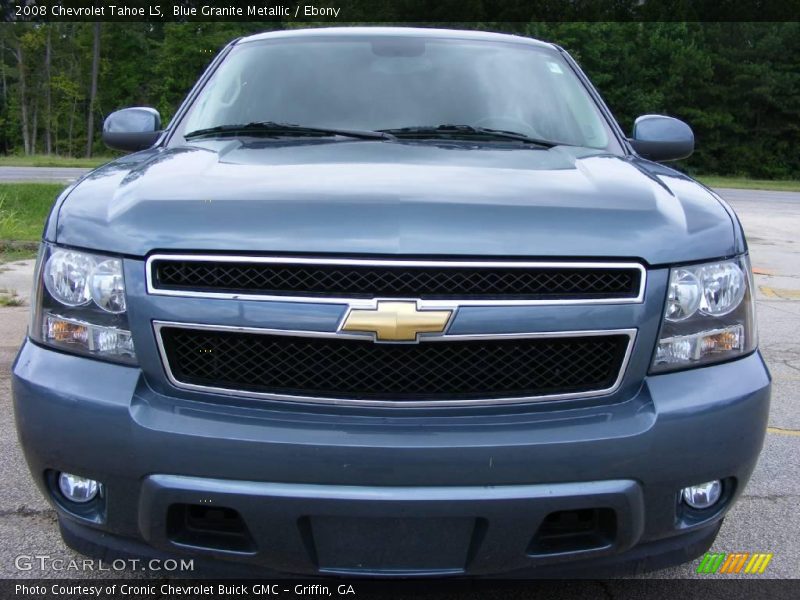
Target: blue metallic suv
[{"x": 393, "y": 302}]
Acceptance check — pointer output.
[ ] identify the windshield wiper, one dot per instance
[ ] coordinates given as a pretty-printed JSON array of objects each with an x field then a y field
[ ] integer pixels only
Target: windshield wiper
[
  {"x": 467, "y": 131},
  {"x": 284, "y": 129}
]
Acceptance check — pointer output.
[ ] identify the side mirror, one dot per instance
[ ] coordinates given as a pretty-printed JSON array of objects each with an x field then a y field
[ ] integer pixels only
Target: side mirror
[
  {"x": 661, "y": 138},
  {"x": 132, "y": 129}
]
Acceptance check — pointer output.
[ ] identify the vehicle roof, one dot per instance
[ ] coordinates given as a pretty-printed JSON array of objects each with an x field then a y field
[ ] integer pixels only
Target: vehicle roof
[{"x": 459, "y": 34}]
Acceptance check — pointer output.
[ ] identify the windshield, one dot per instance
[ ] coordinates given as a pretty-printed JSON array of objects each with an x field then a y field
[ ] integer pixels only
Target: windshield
[{"x": 387, "y": 83}]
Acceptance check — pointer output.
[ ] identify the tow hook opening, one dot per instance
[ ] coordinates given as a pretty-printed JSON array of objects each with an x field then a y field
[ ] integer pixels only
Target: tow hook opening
[
  {"x": 575, "y": 531},
  {"x": 210, "y": 527}
]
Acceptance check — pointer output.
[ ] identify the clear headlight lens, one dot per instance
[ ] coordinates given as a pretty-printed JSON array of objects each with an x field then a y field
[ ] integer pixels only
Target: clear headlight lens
[
  {"x": 723, "y": 288},
  {"x": 66, "y": 277},
  {"x": 79, "y": 304},
  {"x": 709, "y": 315},
  {"x": 108, "y": 287},
  {"x": 685, "y": 294}
]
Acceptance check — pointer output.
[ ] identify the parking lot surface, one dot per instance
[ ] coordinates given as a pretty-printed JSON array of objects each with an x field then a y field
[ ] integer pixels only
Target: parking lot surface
[{"x": 766, "y": 519}]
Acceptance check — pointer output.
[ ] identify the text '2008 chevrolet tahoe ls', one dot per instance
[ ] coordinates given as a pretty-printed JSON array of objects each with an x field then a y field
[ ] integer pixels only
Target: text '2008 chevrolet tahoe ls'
[{"x": 393, "y": 301}]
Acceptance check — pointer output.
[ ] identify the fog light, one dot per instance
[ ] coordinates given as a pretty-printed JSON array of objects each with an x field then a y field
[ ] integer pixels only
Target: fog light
[
  {"x": 77, "y": 489},
  {"x": 703, "y": 495}
]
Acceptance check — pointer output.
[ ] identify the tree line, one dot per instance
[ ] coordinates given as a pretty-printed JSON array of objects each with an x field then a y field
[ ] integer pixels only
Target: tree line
[{"x": 737, "y": 84}]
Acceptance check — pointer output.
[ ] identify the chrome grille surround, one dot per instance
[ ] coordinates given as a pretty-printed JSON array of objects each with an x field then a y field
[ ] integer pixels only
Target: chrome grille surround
[
  {"x": 361, "y": 302},
  {"x": 159, "y": 325},
  {"x": 443, "y": 264}
]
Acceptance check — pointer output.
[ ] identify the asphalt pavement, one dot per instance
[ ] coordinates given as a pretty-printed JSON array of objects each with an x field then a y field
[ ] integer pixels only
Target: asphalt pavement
[
  {"x": 40, "y": 174},
  {"x": 766, "y": 519}
]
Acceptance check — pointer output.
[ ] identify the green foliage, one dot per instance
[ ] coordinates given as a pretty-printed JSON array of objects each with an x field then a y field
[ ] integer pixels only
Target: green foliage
[
  {"x": 737, "y": 84},
  {"x": 184, "y": 53},
  {"x": 23, "y": 209}
]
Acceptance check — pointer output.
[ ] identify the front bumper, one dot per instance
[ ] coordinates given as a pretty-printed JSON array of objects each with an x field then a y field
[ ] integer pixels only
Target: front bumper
[{"x": 322, "y": 491}]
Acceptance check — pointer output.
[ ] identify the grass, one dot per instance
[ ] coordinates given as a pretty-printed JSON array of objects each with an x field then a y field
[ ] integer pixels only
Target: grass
[
  {"x": 23, "y": 210},
  {"x": 744, "y": 183},
  {"x": 14, "y": 253},
  {"x": 51, "y": 160},
  {"x": 10, "y": 298}
]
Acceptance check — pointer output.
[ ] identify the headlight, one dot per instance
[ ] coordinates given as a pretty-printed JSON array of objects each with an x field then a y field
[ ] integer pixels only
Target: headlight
[
  {"x": 66, "y": 275},
  {"x": 79, "y": 304},
  {"x": 709, "y": 315},
  {"x": 107, "y": 286},
  {"x": 685, "y": 293}
]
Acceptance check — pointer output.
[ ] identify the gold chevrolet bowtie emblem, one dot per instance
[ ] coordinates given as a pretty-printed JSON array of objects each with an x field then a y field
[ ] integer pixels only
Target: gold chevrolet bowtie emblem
[{"x": 396, "y": 321}]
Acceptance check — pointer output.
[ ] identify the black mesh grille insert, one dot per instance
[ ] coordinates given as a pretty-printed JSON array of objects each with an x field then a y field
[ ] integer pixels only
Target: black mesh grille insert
[
  {"x": 355, "y": 369},
  {"x": 369, "y": 281}
]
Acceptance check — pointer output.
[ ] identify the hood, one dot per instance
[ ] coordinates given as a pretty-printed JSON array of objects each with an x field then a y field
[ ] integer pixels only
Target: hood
[{"x": 394, "y": 198}]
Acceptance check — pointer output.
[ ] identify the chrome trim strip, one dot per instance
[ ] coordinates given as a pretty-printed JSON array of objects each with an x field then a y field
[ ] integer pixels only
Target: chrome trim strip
[
  {"x": 359, "y": 302},
  {"x": 159, "y": 325}
]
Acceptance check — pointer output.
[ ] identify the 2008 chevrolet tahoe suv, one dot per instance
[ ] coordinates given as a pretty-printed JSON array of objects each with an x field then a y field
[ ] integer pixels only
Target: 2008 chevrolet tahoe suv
[{"x": 393, "y": 301}]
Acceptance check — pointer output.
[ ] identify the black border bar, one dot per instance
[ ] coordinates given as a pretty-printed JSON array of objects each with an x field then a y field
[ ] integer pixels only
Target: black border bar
[
  {"x": 398, "y": 11},
  {"x": 343, "y": 589}
]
